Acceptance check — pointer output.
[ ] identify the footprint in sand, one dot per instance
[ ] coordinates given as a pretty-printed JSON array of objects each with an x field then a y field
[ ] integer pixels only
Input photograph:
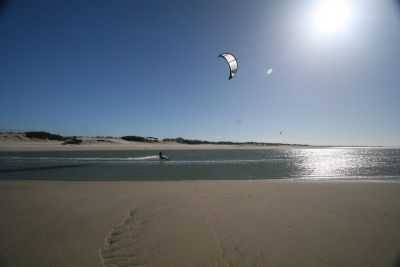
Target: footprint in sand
[{"x": 121, "y": 243}]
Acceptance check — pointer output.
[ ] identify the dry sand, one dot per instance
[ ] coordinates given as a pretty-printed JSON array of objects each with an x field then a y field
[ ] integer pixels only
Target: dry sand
[
  {"x": 226, "y": 223},
  {"x": 19, "y": 142}
]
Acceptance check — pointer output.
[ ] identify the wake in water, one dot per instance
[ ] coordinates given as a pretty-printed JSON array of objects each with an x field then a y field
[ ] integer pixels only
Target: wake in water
[
  {"x": 145, "y": 158},
  {"x": 152, "y": 157}
]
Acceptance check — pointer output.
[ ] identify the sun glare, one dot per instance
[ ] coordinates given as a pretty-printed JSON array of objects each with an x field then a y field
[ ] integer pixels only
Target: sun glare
[{"x": 331, "y": 16}]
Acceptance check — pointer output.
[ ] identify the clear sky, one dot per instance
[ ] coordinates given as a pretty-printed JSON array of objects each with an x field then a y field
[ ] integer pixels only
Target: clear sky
[{"x": 152, "y": 68}]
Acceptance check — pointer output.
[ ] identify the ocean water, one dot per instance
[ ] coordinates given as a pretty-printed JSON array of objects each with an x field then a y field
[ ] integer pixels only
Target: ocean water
[{"x": 295, "y": 163}]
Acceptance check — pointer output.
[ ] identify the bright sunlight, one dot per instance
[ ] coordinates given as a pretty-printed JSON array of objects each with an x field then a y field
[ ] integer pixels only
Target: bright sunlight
[{"x": 331, "y": 16}]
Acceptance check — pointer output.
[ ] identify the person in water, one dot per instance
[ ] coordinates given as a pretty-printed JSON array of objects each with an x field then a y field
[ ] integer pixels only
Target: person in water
[{"x": 161, "y": 156}]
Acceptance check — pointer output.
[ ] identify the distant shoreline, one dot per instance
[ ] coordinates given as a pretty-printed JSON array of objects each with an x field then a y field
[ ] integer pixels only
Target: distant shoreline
[
  {"x": 43, "y": 141},
  {"x": 57, "y": 146}
]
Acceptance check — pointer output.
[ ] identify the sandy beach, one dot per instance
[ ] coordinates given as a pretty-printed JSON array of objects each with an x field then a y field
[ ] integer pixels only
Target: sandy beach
[
  {"x": 203, "y": 223},
  {"x": 120, "y": 145},
  {"x": 18, "y": 142}
]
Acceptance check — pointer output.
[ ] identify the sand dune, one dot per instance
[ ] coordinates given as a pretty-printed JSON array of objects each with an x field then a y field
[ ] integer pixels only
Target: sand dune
[
  {"x": 19, "y": 142},
  {"x": 259, "y": 223}
]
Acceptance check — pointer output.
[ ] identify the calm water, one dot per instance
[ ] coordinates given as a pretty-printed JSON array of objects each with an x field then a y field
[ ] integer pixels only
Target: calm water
[{"x": 325, "y": 163}]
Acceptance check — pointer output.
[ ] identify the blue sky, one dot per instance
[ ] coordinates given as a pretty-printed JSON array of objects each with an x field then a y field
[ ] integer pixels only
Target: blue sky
[{"x": 152, "y": 68}]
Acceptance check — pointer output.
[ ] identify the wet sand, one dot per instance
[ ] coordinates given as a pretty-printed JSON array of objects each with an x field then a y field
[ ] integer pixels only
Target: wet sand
[
  {"x": 199, "y": 223},
  {"x": 57, "y": 146}
]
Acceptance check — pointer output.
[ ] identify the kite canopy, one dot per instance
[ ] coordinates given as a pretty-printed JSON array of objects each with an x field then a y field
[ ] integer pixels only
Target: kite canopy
[{"x": 232, "y": 62}]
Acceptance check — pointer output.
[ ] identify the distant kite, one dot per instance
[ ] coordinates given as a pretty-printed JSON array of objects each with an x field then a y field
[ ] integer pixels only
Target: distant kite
[
  {"x": 281, "y": 132},
  {"x": 232, "y": 63},
  {"x": 269, "y": 71}
]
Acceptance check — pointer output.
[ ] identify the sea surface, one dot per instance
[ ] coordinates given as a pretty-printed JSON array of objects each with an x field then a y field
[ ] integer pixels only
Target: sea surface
[{"x": 293, "y": 163}]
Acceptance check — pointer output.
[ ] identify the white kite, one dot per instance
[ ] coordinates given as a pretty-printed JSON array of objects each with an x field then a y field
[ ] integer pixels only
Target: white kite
[
  {"x": 269, "y": 71},
  {"x": 232, "y": 63}
]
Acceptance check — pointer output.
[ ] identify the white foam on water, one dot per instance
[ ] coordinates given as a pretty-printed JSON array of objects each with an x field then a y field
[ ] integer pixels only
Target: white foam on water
[
  {"x": 152, "y": 157},
  {"x": 145, "y": 158}
]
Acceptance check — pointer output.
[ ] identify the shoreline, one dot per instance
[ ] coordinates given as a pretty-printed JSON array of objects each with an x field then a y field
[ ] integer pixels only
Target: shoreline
[
  {"x": 391, "y": 180},
  {"x": 57, "y": 146},
  {"x": 19, "y": 142}
]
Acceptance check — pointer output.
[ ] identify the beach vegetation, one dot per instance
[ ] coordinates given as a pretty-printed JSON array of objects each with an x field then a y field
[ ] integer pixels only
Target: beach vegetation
[
  {"x": 44, "y": 135},
  {"x": 135, "y": 138},
  {"x": 72, "y": 141}
]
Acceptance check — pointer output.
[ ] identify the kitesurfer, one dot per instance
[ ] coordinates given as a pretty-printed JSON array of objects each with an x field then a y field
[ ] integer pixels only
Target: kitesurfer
[{"x": 161, "y": 156}]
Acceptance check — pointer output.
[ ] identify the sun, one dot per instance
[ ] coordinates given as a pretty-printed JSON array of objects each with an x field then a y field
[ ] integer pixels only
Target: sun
[{"x": 331, "y": 16}]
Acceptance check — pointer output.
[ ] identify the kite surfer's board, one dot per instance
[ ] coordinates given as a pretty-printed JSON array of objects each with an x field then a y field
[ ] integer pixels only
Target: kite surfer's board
[{"x": 163, "y": 157}]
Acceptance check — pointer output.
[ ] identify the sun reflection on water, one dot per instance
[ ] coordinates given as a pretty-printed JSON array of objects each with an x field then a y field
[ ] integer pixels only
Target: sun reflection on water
[{"x": 324, "y": 163}]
